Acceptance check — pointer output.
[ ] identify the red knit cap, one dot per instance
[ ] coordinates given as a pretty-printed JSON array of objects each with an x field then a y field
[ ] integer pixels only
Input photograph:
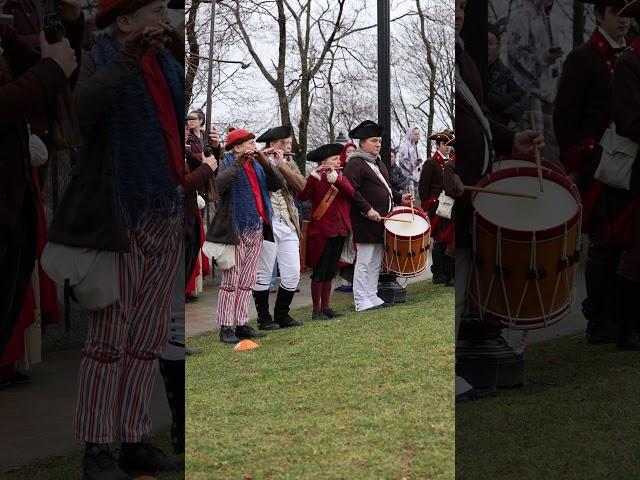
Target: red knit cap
[
  {"x": 236, "y": 137},
  {"x": 110, "y": 10}
]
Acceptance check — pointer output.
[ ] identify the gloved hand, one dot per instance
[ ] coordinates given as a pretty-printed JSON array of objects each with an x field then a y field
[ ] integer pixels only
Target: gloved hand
[
  {"x": 332, "y": 176},
  {"x": 315, "y": 174}
]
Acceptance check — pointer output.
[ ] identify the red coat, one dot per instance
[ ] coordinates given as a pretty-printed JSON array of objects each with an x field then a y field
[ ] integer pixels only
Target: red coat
[{"x": 337, "y": 214}]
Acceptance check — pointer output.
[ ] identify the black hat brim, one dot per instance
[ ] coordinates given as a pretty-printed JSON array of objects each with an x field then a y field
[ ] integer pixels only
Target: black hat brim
[{"x": 324, "y": 152}]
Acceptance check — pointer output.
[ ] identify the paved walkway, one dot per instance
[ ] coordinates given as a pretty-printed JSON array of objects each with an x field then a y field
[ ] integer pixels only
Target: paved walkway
[
  {"x": 39, "y": 416},
  {"x": 201, "y": 314}
]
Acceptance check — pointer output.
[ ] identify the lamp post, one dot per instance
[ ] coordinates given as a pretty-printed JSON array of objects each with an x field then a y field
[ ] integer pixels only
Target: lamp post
[{"x": 388, "y": 288}]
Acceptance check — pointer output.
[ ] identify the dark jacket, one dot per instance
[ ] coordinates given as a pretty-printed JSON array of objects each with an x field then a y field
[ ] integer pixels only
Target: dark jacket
[
  {"x": 625, "y": 108},
  {"x": 197, "y": 180},
  {"x": 370, "y": 193},
  {"x": 581, "y": 110},
  {"x": 36, "y": 85},
  {"x": 470, "y": 144},
  {"x": 88, "y": 215},
  {"x": 221, "y": 227}
]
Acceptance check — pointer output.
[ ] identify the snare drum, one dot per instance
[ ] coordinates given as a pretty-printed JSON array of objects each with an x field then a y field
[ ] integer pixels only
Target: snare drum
[
  {"x": 525, "y": 251},
  {"x": 525, "y": 162},
  {"x": 406, "y": 242}
]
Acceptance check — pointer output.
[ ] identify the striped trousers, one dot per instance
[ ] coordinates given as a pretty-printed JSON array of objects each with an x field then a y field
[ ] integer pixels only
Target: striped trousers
[
  {"x": 119, "y": 361},
  {"x": 237, "y": 282}
]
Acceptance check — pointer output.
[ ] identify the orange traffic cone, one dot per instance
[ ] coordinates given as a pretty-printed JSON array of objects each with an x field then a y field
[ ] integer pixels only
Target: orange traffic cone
[{"x": 245, "y": 345}]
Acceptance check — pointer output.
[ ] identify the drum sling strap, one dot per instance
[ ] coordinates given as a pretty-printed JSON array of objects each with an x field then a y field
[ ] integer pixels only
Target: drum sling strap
[
  {"x": 470, "y": 99},
  {"x": 326, "y": 202}
]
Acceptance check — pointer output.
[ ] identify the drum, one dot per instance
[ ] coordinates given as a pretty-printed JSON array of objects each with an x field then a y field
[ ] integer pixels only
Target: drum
[
  {"x": 525, "y": 251},
  {"x": 525, "y": 162},
  {"x": 406, "y": 242}
]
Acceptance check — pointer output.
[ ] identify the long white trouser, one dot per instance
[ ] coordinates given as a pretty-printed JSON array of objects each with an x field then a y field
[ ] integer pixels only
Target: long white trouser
[
  {"x": 463, "y": 270},
  {"x": 286, "y": 249},
  {"x": 365, "y": 275}
]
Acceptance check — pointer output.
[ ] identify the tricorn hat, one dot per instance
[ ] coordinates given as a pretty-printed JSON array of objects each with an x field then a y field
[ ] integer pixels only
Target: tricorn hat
[
  {"x": 275, "y": 133},
  {"x": 324, "y": 152},
  {"x": 367, "y": 129}
]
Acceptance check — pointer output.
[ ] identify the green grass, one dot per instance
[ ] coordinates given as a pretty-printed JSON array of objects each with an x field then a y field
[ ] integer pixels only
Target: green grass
[
  {"x": 368, "y": 395},
  {"x": 69, "y": 468},
  {"x": 576, "y": 418}
]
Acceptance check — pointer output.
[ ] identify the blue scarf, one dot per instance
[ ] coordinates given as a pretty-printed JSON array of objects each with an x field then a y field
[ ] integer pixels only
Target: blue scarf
[
  {"x": 144, "y": 184},
  {"x": 245, "y": 213}
]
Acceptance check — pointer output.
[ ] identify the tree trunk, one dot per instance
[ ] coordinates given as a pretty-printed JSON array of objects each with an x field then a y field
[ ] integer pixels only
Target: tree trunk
[{"x": 193, "y": 54}]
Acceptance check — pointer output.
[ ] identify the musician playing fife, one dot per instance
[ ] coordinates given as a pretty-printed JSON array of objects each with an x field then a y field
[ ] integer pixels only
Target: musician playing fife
[
  {"x": 374, "y": 199},
  {"x": 286, "y": 233},
  {"x": 329, "y": 192}
]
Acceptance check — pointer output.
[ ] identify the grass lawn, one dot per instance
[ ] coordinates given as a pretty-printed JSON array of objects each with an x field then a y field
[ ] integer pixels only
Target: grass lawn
[
  {"x": 368, "y": 395},
  {"x": 576, "y": 418},
  {"x": 69, "y": 468}
]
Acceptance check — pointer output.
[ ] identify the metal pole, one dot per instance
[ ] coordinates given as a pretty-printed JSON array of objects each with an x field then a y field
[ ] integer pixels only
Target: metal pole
[
  {"x": 384, "y": 77},
  {"x": 210, "y": 80}
]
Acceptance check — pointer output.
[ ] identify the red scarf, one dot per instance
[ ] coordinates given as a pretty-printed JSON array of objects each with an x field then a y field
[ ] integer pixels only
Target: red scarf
[
  {"x": 255, "y": 189},
  {"x": 161, "y": 96}
]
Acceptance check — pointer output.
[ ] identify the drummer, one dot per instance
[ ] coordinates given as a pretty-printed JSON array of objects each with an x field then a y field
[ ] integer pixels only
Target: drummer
[
  {"x": 373, "y": 200},
  {"x": 430, "y": 188},
  {"x": 330, "y": 193},
  {"x": 474, "y": 153}
]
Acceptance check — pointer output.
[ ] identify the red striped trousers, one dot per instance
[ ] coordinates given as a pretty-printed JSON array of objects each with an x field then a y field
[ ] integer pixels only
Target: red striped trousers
[
  {"x": 237, "y": 282},
  {"x": 119, "y": 361}
]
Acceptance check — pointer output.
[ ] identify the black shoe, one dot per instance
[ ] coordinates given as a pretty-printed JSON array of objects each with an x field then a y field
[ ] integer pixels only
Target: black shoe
[
  {"x": 142, "y": 458},
  {"x": 4, "y": 383},
  {"x": 19, "y": 379},
  {"x": 630, "y": 342},
  {"x": 476, "y": 394},
  {"x": 319, "y": 316},
  {"x": 331, "y": 313},
  {"x": 288, "y": 321},
  {"x": 450, "y": 283},
  {"x": 439, "y": 280},
  {"x": 281, "y": 310},
  {"x": 99, "y": 463},
  {"x": 227, "y": 335},
  {"x": 267, "y": 324},
  {"x": 245, "y": 331}
]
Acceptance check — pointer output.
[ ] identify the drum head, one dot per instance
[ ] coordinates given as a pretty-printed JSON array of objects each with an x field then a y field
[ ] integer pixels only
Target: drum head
[
  {"x": 552, "y": 207},
  {"x": 409, "y": 227}
]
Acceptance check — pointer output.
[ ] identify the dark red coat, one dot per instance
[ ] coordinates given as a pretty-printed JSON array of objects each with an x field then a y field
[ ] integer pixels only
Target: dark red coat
[{"x": 337, "y": 214}]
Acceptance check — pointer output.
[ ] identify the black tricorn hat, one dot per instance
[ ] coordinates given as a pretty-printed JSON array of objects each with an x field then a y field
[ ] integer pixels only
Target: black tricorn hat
[
  {"x": 630, "y": 9},
  {"x": 275, "y": 133},
  {"x": 367, "y": 129},
  {"x": 324, "y": 152}
]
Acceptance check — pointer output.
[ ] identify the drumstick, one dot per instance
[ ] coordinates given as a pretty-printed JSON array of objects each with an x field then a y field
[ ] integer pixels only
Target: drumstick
[
  {"x": 536, "y": 153},
  {"x": 412, "y": 217},
  {"x": 499, "y": 192},
  {"x": 396, "y": 220}
]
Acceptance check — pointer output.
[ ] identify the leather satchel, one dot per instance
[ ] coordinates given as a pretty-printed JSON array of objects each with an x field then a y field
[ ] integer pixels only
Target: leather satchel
[{"x": 616, "y": 162}]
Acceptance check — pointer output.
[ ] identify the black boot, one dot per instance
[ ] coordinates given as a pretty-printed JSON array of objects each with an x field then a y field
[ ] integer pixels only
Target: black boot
[
  {"x": 437, "y": 259},
  {"x": 142, "y": 458},
  {"x": 227, "y": 335},
  {"x": 629, "y": 336},
  {"x": 602, "y": 307},
  {"x": 173, "y": 376},
  {"x": 245, "y": 331},
  {"x": 265, "y": 322},
  {"x": 99, "y": 463},
  {"x": 281, "y": 310}
]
